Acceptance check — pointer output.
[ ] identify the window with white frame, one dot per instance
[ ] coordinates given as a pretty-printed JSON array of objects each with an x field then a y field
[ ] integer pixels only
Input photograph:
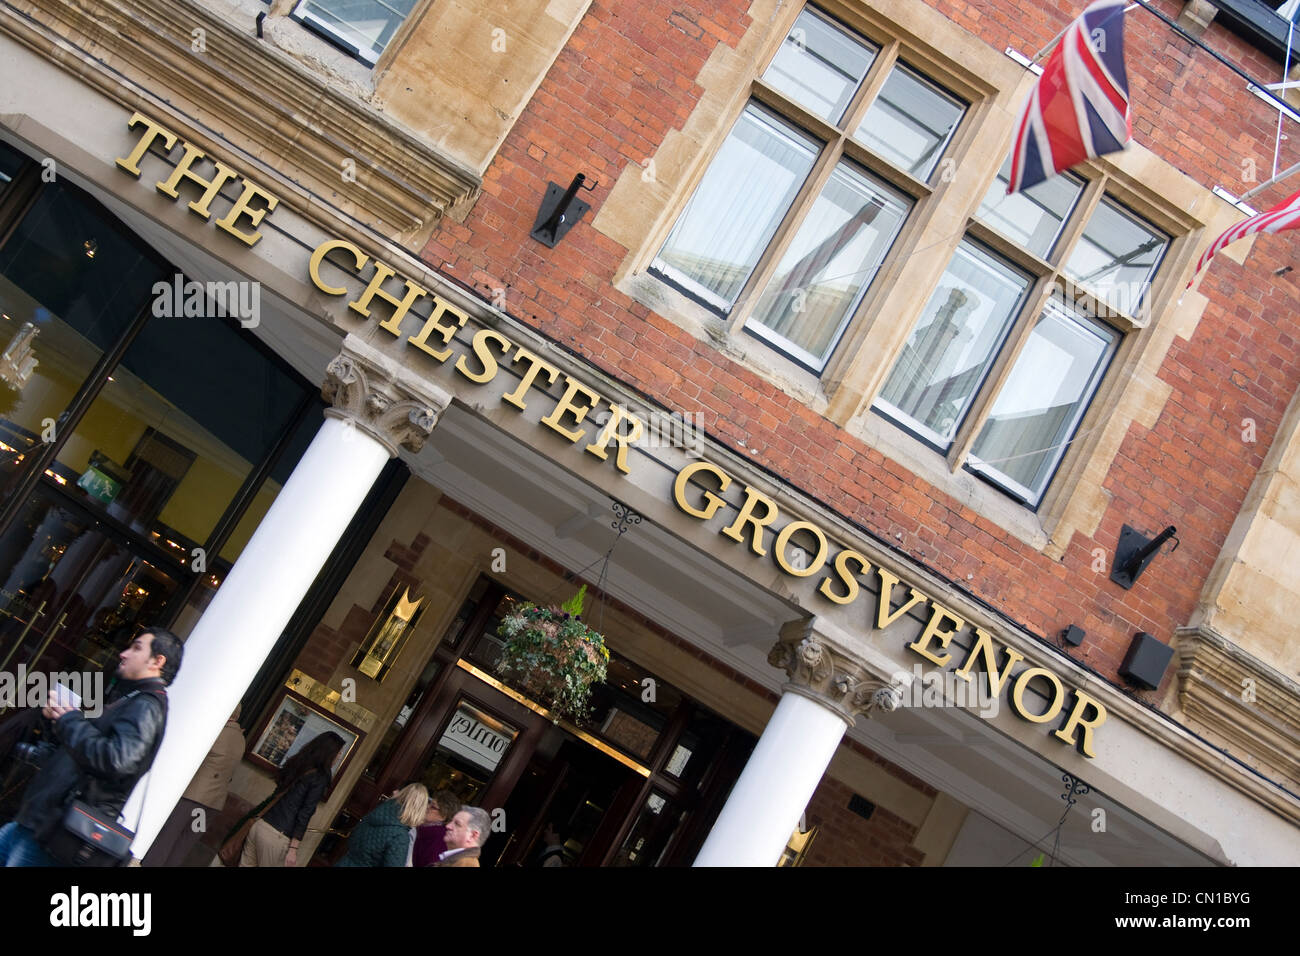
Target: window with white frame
[
  {"x": 796, "y": 213},
  {"x": 363, "y": 27},
  {"x": 941, "y": 386}
]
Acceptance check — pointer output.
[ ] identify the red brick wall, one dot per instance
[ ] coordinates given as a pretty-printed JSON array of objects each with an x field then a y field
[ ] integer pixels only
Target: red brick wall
[
  {"x": 844, "y": 838},
  {"x": 626, "y": 78}
]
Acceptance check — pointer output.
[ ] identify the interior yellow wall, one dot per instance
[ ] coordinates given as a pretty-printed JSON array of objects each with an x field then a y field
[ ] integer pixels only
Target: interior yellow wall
[
  {"x": 257, "y": 510},
  {"x": 202, "y": 497},
  {"x": 198, "y": 501}
]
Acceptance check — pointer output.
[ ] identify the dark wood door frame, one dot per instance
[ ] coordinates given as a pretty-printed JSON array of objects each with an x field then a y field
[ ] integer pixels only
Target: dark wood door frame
[
  {"x": 418, "y": 734},
  {"x": 514, "y": 852},
  {"x": 460, "y": 686}
]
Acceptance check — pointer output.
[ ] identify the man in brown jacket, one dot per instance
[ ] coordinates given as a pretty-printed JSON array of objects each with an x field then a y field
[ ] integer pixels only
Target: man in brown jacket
[
  {"x": 464, "y": 835},
  {"x": 202, "y": 800}
]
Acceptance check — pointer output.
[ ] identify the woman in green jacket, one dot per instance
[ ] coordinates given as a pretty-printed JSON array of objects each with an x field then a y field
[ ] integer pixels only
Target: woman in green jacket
[{"x": 383, "y": 837}]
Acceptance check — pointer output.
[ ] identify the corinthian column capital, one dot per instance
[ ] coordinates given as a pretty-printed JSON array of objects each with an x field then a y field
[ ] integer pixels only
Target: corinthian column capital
[
  {"x": 381, "y": 398},
  {"x": 821, "y": 670}
]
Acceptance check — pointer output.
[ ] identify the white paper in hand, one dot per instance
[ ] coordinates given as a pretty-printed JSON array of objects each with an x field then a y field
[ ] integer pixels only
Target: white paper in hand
[{"x": 66, "y": 696}]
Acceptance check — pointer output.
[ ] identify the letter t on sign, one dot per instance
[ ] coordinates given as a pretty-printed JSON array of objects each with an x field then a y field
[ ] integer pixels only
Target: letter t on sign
[{"x": 152, "y": 131}]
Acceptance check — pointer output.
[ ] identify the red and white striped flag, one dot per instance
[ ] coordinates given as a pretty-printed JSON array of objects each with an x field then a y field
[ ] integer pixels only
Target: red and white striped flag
[
  {"x": 1079, "y": 106},
  {"x": 1285, "y": 215}
]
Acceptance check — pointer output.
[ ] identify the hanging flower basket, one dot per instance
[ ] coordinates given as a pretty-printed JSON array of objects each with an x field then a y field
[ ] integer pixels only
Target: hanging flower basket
[{"x": 553, "y": 656}]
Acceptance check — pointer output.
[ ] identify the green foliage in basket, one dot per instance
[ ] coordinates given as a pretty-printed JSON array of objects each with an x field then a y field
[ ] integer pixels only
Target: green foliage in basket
[{"x": 552, "y": 655}]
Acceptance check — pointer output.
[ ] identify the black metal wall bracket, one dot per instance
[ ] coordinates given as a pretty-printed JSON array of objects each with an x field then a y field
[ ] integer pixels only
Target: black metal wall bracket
[
  {"x": 1135, "y": 551},
  {"x": 561, "y": 211}
]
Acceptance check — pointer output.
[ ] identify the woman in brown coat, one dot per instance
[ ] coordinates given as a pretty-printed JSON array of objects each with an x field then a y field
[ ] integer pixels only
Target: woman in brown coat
[{"x": 206, "y": 793}]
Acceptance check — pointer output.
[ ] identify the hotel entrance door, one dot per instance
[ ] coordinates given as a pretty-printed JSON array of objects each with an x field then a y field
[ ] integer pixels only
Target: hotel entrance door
[
  {"x": 638, "y": 783},
  {"x": 496, "y": 752}
]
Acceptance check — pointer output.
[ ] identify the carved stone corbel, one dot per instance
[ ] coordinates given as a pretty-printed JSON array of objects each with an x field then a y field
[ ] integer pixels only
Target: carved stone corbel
[
  {"x": 818, "y": 670},
  {"x": 371, "y": 392}
]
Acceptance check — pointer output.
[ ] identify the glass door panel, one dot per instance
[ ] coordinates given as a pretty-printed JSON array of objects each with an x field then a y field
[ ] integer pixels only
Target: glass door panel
[
  {"x": 570, "y": 788},
  {"x": 72, "y": 595},
  {"x": 72, "y": 280},
  {"x": 468, "y": 753},
  {"x": 648, "y": 839},
  {"x": 168, "y": 442}
]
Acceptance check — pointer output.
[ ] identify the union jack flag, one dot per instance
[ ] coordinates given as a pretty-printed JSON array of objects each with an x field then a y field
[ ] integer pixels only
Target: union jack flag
[
  {"x": 1285, "y": 215},
  {"x": 1079, "y": 106}
]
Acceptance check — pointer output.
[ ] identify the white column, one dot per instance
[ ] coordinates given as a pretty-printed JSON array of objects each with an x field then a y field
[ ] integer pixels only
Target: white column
[
  {"x": 826, "y": 690},
  {"x": 378, "y": 406},
  {"x": 775, "y": 786}
]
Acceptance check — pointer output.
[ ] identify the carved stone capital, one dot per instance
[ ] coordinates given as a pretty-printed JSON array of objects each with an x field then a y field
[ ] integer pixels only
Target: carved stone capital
[
  {"x": 824, "y": 673},
  {"x": 381, "y": 398}
]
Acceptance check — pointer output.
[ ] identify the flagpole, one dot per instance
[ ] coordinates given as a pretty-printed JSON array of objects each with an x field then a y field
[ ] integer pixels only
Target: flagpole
[
  {"x": 1048, "y": 49},
  {"x": 1197, "y": 42},
  {"x": 1264, "y": 185},
  {"x": 1290, "y": 11}
]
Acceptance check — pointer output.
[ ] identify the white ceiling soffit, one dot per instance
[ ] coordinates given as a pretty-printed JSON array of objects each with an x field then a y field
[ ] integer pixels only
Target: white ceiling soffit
[
  {"x": 957, "y": 752},
  {"x": 688, "y": 592}
]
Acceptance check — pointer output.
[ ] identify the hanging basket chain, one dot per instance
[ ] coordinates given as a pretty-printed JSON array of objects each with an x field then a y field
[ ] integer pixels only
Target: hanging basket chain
[
  {"x": 624, "y": 518},
  {"x": 550, "y": 652}
]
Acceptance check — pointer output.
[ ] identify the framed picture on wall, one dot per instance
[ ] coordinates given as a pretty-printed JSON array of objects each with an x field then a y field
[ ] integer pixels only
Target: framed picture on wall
[{"x": 292, "y": 724}]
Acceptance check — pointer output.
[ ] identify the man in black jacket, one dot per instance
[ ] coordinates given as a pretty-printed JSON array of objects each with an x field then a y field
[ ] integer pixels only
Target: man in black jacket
[{"x": 100, "y": 758}]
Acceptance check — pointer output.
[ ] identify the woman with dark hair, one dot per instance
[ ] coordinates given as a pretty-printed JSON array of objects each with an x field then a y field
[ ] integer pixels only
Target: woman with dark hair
[
  {"x": 429, "y": 843},
  {"x": 299, "y": 787}
]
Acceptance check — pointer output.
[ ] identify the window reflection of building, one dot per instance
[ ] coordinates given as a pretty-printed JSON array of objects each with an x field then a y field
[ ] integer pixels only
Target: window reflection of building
[
  {"x": 941, "y": 379},
  {"x": 132, "y": 475},
  {"x": 788, "y": 229}
]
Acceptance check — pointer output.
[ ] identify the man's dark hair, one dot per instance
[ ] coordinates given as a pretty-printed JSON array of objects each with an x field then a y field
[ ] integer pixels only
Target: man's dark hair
[
  {"x": 169, "y": 646},
  {"x": 448, "y": 804}
]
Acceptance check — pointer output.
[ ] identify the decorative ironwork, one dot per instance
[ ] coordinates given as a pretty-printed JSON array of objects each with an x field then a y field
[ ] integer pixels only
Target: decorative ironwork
[
  {"x": 1077, "y": 788},
  {"x": 624, "y": 517}
]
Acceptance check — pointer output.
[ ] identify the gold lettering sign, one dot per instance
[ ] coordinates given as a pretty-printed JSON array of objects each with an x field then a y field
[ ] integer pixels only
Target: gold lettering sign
[
  {"x": 847, "y": 577},
  {"x": 983, "y": 648},
  {"x": 253, "y": 205},
  {"x": 713, "y": 501},
  {"x": 489, "y": 348},
  {"x": 934, "y": 631},
  {"x": 566, "y": 407},
  {"x": 756, "y": 514},
  {"x": 783, "y": 542}
]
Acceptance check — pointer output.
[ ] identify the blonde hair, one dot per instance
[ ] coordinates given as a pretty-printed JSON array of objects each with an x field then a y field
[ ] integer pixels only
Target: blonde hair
[{"x": 414, "y": 801}]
